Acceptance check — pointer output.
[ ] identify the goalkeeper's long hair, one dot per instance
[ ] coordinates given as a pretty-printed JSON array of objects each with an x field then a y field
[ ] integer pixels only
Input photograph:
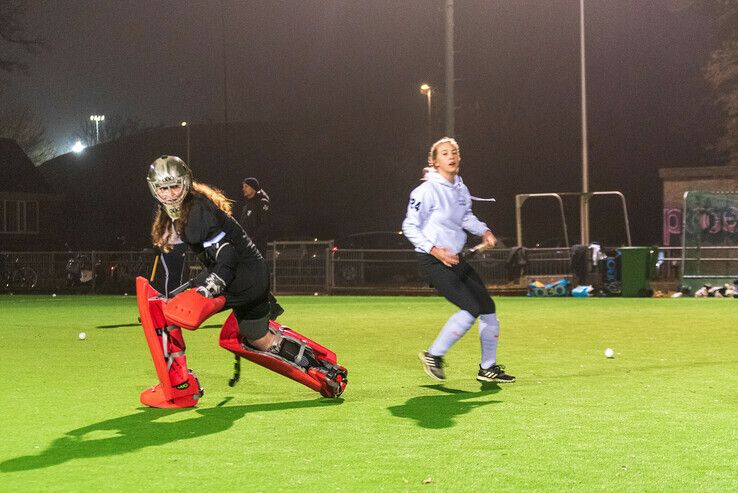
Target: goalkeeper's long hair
[{"x": 162, "y": 226}]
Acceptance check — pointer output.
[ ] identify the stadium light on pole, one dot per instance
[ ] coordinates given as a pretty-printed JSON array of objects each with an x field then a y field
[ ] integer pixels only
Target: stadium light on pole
[
  {"x": 428, "y": 91},
  {"x": 187, "y": 131},
  {"x": 97, "y": 119}
]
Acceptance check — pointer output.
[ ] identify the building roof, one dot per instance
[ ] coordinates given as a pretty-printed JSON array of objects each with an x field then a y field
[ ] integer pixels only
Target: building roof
[
  {"x": 699, "y": 173},
  {"x": 19, "y": 175}
]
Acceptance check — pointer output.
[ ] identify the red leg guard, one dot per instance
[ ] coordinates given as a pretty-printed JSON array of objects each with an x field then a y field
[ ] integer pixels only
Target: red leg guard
[
  {"x": 190, "y": 309},
  {"x": 177, "y": 387},
  {"x": 329, "y": 379}
]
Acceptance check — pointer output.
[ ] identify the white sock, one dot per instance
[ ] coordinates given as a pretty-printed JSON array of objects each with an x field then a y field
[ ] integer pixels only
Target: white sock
[
  {"x": 489, "y": 333},
  {"x": 456, "y": 326}
]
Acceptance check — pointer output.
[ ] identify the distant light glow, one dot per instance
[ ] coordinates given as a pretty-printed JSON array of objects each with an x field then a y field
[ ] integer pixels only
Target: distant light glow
[
  {"x": 184, "y": 124},
  {"x": 424, "y": 88},
  {"x": 78, "y": 147}
]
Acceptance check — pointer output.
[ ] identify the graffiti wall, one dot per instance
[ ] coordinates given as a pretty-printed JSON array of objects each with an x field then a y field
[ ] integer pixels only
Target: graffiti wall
[{"x": 709, "y": 219}]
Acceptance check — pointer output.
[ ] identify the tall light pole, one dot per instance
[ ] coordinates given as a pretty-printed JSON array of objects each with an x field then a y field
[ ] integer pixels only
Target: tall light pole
[
  {"x": 584, "y": 199},
  {"x": 187, "y": 131},
  {"x": 97, "y": 119},
  {"x": 450, "y": 77},
  {"x": 428, "y": 91},
  {"x": 225, "y": 76}
]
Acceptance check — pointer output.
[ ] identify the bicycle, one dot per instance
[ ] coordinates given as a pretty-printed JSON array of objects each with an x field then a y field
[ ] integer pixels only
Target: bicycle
[
  {"x": 127, "y": 269},
  {"x": 18, "y": 276},
  {"x": 80, "y": 270}
]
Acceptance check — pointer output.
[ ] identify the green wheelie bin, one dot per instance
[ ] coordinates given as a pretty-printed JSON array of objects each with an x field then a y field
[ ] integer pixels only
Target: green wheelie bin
[{"x": 636, "y": 269}]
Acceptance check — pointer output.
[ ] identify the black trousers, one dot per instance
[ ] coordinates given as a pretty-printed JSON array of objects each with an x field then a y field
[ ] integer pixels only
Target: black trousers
[
  {"x": 171, "y": 273},
  {"x": 460, "y": 284}
]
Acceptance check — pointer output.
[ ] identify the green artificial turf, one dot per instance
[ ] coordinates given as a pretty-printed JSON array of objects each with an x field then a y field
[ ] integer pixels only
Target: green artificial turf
[{"x": 660, "y": 416}]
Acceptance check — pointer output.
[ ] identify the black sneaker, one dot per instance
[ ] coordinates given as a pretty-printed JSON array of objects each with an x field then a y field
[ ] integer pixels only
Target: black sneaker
[
  {"x": 495, "y": 373},
  {"x": 433, "y": 365}
]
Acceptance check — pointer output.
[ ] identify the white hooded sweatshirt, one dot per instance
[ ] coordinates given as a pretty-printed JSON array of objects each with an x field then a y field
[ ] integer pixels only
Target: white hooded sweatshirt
[{"x": 438, "y": 214}]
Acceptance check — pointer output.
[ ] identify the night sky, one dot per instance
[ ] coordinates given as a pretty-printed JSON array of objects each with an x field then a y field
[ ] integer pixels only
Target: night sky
[{"x": 517, "y": 67}]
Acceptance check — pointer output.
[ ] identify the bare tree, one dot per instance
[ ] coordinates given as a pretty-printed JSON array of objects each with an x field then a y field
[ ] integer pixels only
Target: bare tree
[
  {"x": 114, "y": 127},
  {"x": 20, "y": 123},
  {"x": 721, "y": 70},
  {"x": 13, "y": 39},
  {"x": 721, "y": 73},
  {"x": 26, "y": 128}
]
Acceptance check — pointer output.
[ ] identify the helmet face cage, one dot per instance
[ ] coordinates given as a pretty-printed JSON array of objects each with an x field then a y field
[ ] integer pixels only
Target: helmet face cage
[{"x": 170, "y": 171}]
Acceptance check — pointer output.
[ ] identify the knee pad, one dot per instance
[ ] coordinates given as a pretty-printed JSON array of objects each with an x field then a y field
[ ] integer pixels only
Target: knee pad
[
  {"x": 253, "y": 329},
  {"x": 178, "y": 386},
  {"x": 190, "y": 309},
  {"x": 322, "y": 373}
]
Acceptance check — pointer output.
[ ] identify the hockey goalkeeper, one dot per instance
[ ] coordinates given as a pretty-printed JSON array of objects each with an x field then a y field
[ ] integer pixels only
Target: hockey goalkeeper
[{"x": 236, "y": 278}]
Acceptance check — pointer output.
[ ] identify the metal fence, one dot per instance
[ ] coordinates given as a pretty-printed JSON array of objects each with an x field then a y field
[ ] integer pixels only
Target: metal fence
[
  {"x": 668, "y": 267},
  {"x": 75, "y": 272},
  {"x": 359, "y": 268},
  {"x": 309, "y": 267},
  {"x": 300, "y": 266}
]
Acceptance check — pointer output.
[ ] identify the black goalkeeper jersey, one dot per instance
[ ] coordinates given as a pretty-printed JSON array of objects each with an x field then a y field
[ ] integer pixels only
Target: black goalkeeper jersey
[{"x": 222, "y": 245}]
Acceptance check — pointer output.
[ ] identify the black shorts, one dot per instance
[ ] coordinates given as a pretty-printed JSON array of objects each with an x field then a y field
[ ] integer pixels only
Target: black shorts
[
  {"x": 460, "y": 284},
  {"x": 248, "y": 293}
]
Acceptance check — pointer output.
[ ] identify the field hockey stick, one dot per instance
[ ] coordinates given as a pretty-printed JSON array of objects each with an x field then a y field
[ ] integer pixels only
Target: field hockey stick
[
  {"x": 189, "y": 284},
  {"x": 153, "y": 269},
  {"x": 183, "y": 287},
  {"x": 236, "y": 372},
  {"x": 470, "y": 252}
]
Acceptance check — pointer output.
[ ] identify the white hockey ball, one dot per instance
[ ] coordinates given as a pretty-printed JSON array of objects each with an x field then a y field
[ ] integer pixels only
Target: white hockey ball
[
  {"x": 82, "y": 336},
  {"x": 609, "y": 353}
]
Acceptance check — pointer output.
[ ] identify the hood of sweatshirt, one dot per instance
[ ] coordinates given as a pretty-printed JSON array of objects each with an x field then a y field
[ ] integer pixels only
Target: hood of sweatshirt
[{"x": 435, "y": 177}]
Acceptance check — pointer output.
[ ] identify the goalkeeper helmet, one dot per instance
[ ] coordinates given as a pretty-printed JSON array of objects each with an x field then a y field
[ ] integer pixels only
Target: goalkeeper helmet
[{"x": 169, "y": 172}]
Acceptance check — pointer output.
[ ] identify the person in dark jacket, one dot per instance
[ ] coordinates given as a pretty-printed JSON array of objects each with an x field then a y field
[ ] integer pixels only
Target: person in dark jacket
[
  {"x": 255, "y": 220},
  {"x": 255, "y": 213}
]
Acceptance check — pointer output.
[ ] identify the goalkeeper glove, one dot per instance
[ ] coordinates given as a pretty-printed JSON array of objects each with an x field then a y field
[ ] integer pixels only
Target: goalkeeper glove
[{"x": 214, "y": 286}]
